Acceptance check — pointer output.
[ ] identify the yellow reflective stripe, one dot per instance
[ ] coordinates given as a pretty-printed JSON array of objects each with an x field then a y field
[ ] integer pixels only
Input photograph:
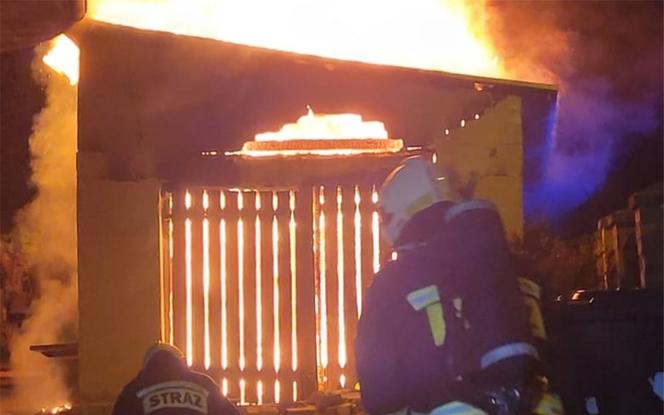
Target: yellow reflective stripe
[
  {"x": 529, "y": 287},
  {"x": 428, "y": 298},
  {"x": 436, "y": 323},
  {"x": 536, "y": 319},
  {"x": 420, "y": 203},
  {"x": 550, "y": 404},
  {"x": 423, "y": 297}
]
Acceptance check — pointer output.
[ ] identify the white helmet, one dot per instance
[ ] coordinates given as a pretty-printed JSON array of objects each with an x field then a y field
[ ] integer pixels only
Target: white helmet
[{"x": 411, "y": 187}]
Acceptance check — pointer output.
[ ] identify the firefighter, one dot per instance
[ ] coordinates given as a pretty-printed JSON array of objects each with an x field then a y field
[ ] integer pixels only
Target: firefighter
[
  {"x": 444, "y": 325},
  {"x": 165, "y": 385}
]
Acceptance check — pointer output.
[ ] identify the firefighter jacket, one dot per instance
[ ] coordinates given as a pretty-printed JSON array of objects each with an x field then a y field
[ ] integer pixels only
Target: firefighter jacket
[
  {"x": 166, "y": 386},
  {"x": 449, "y": 305}
]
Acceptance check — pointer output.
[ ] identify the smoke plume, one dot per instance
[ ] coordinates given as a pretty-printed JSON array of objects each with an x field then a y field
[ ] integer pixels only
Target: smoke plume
[
  {"x": 606, "y": 59},
  {"x": 45, "y": 231}
]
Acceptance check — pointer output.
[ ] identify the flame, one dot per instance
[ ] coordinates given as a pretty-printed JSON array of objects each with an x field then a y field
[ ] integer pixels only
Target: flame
[
  {"x": 323, "y": 135},
  {"x": 63, "y": 58},
  {"x": 428, "y": 34},
  {"x": 327, "y": 127},
  {"x": 58, "y": 409}
]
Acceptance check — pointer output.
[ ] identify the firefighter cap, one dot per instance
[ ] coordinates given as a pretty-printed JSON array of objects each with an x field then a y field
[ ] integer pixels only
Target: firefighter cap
[{"x": 160, "y": 346}]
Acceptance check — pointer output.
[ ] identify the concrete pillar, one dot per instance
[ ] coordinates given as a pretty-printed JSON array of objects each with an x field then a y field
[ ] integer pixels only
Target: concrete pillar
[{"x": 119, "y": 284}]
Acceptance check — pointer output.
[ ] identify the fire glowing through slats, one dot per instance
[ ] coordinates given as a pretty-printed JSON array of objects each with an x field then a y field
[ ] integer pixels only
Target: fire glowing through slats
[
  {"x": 188, "y": 281},
  {"x": 237, "y": 248},
  {"x": 357, "y": 226},
  {"x": 293, "y": 292},
  {"x": 206, "y": 281},
  {"x": 224, "y": 291},
  {"x": 171, "y": 338},
  {"x": 340, "y": 286},
  {"x": 375, "y": 231},
  {"x": 259, "y": 283},
  {"x": 275, "y": 290},
  {"x": 322, "y": 278},
  {"x": 240, "y": 278}
]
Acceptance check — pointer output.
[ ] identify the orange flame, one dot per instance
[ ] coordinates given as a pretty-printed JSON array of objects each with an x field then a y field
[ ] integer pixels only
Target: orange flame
[
  {"x": 323, "y": 135},
  {"x": 428, "y": 34},
  {"x": 327, "y": 127},
  {"x": 63, "y": 58}
]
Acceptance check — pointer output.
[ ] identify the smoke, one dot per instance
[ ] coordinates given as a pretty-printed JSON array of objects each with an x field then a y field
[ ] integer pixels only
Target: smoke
[
  {"x": 606, "y": 59},
  {"x": 45, "y": 231}
]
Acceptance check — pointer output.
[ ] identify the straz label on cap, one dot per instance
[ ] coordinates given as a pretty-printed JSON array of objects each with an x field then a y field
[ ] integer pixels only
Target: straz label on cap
[{"x": 174, "y": 394}]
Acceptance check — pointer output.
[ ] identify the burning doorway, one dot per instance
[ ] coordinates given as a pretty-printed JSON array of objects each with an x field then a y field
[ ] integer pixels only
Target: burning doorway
[{"x": 257, "y": 278}]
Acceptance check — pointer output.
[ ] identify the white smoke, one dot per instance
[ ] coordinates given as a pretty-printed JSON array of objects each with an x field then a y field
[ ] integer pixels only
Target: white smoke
[{"x": 45, "y": 231}]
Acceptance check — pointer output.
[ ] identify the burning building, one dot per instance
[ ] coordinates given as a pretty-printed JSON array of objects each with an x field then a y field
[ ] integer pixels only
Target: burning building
[{"x": 252, "y": 251}]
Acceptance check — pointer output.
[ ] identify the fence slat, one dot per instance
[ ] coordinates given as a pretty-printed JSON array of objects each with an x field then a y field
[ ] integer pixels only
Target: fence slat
[
  {"x": 350, "y": 303},
  {"x": 306, "y": 319},
  {"x": 214, "y": 217},
  {"x": 267, "y": 373},
  {"x": 179, "y": 269},
  {"x": 284, "y": 289},
  {"x": 197, "y": 304},
  {"x": 231, "y": 217},
  {"x": 331, "y": 258}
]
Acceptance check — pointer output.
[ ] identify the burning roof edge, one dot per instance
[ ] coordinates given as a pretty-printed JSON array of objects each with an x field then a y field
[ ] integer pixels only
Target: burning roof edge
[{"x": 88, "y": 25}]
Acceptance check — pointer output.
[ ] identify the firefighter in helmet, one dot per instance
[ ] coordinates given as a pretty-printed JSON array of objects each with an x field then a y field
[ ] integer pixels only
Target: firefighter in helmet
[
  {"x": 444, "y": 325},
  {"x": 165, "y": 386}
]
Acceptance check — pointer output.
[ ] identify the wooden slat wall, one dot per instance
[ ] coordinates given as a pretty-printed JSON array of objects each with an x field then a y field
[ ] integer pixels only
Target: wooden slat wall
[{"x": 250, "y": 275}]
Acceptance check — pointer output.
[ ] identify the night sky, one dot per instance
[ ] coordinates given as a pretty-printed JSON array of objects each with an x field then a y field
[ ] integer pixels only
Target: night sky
[{"x": 611, "y": 65}]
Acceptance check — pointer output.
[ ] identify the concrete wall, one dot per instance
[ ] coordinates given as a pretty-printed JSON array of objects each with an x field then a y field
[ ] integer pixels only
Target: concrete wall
[{"x": 119, "y": 282}]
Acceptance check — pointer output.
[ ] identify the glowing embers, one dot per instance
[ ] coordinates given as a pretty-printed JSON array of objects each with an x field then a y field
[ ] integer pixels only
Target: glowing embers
[{"x": 323, "y": 135}]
